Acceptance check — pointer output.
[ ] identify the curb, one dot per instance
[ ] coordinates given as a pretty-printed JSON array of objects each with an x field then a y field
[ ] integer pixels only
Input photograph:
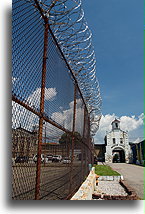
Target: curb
[{"x": 110, "y": 178}]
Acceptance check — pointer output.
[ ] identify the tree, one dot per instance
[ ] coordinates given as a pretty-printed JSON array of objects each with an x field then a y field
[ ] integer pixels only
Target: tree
[{"x": 67, "y": 139}]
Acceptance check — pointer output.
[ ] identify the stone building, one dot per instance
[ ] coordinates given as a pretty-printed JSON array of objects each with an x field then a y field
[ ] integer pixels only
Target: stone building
[
  {"x": 117, "y": 145},
  {"x": 24, "y": 142}
]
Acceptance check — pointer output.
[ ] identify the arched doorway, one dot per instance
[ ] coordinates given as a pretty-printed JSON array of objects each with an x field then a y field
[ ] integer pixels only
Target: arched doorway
[{"x": 118, "y": 155}]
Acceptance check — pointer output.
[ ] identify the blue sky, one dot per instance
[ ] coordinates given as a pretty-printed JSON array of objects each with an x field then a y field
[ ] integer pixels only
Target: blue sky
[{"x": 117, "y": 27}]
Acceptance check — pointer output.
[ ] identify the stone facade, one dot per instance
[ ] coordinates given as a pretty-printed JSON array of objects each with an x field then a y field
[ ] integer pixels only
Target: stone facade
[
  {"x": 24, "y": 142},
  {"x": 117, "y": 145}
]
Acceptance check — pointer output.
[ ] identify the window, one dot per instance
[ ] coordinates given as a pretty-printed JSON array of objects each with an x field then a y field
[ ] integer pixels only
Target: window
[
  {"x": 113, "y": 140},
  {"x": 116, "y": 124},
  {"x": 121, "y": 140}
]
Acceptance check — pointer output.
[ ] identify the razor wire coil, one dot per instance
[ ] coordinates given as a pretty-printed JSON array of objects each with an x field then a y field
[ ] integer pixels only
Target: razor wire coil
[{"x": 68, "y": 23}]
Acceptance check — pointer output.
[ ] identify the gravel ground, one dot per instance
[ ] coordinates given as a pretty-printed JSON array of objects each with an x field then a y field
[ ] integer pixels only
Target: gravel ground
[
  {"x": 133, "y": 175},
  {"x": 110, "y": 188}
]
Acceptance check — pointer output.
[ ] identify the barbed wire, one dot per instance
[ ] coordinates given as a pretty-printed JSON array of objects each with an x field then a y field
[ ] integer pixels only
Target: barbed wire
[{"x": 68, "y": 23}]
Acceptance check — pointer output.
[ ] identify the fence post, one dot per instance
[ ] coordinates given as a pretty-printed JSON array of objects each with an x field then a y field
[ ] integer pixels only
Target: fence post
[
  {"x": 89, "y": 143},
  {"x": 82, "y": 147},
  {"x": 37, "y": 188},
  {"x": 82, "y": 161},
  {"x": 91, "y": 149},
  {"x": 73, "y": 137}
]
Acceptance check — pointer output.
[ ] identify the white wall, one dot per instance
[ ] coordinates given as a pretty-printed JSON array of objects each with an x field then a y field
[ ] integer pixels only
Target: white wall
[{"x": 117, "y": 134}]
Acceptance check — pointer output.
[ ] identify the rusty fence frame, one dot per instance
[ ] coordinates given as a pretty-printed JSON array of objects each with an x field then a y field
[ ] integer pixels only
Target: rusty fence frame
[{"x": 86, "y": 142}]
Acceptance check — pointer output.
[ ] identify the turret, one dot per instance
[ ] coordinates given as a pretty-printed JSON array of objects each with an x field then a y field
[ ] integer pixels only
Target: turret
[{"x": 115, "y": 124}]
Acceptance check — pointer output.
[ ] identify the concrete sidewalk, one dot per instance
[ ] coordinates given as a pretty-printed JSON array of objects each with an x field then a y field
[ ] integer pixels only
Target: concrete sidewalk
[{"x": 133, "y": 175}]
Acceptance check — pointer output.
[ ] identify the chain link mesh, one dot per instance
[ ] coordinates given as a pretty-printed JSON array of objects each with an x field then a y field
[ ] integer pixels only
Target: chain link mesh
[{"x": 51, "y": 146}]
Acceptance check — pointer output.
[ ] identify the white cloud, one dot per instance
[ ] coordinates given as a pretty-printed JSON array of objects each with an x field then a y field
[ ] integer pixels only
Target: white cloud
[
  {"x": 14, "y": 79},
  {"x": 34, "y": 98},
  {"x": 65, "y": 117},
  {"x": 50, "y": 93},
  {"x": 25, "y": 118},
  {"x": 132, "y": 124}
]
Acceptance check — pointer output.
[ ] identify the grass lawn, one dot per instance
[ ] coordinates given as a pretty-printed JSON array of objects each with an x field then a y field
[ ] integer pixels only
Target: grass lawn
[{"x": 104, "y": 170}]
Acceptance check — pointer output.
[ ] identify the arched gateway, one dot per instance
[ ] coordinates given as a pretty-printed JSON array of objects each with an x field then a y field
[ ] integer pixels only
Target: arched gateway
[
  {"x": 117, "y": 146},
  {"x": 118, "y": 155}
]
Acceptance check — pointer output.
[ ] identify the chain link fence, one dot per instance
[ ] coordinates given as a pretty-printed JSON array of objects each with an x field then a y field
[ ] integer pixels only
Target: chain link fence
[{"x": 51, "y": 145}]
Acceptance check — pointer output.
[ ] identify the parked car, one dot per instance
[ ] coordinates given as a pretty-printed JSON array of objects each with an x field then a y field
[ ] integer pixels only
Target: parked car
[
  {"x": 22, "y": 159},
  {"x": 66, "y": 160},
  {"x": 42, "y": 158},
  {"x": 56, "y": 158},
  {"x": 49, "y": 157},
  {"x": 100, "y": 159}
]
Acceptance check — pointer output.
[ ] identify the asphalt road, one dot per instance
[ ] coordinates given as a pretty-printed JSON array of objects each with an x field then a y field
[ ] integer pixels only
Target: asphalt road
[
  {"x": 55, "y": 180},
  {"x": 133, "y": 175}
]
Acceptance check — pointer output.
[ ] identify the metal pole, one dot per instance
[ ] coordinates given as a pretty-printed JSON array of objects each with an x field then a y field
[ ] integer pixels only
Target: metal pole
[
  {"x": 89, "y": 143},
  {"x": 45, "y": 145},
  {"x": 82, "y": 146},
  {"x": 85, "y": 140},
  {"x": 82, "y": 162},
  {"x": 37, "y": 188},
  {"x": 73, "y": 137}
]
